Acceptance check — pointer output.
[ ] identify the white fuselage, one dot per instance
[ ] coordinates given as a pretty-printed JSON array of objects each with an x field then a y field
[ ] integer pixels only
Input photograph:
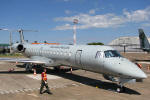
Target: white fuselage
[{"x": 99, "y": 59}]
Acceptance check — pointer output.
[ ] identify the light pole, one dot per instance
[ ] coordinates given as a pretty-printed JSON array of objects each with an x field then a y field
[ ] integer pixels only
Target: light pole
[{"x": 75, "y": 21}]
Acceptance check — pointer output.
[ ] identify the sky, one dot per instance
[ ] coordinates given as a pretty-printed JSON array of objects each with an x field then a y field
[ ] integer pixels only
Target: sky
[{"x": 98, "y": 20}]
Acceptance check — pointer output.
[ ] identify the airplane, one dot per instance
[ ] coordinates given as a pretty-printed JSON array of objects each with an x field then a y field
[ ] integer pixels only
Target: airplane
[
  {"x": 99, "y": 59},
  {"x": 144, "y": 43}
]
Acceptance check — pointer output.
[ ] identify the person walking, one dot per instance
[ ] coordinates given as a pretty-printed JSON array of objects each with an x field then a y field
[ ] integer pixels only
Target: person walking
[{"x": 44, "y": 82}]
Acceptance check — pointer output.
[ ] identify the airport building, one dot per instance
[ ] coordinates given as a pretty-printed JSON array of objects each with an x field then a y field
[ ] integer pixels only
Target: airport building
[
  {"x": 4, "y": 48},
  {"x": 126, "y": 44}
]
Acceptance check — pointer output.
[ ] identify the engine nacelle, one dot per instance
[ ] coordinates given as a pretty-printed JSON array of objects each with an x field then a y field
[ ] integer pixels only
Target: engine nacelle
[{"x": 18, "y": 47}]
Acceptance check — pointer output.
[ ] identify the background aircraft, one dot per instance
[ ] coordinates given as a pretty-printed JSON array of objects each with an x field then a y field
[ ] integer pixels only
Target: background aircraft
[
  {"x": 144, "y": 43},
  {"x": 99, "y": 59}
]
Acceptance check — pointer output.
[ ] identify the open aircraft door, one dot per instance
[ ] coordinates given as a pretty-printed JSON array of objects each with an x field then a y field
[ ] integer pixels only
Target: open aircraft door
[
  {"x": 100, "y": 58},
  {"x": 78, "y": 57}
]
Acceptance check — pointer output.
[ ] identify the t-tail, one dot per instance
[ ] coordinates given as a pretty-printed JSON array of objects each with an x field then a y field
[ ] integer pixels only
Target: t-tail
[
  {"x": 21, "y": 36},
  {"x": 144, "y": 43}
]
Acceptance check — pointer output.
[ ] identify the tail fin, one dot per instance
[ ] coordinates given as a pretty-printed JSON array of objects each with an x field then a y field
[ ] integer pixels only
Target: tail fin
[
  {"x": 21, "y": 36},
  {"x": 144, "y": 43}
]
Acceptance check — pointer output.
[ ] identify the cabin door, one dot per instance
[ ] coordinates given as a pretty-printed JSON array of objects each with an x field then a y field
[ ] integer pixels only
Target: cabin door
[{"x": 78, "y": 57}]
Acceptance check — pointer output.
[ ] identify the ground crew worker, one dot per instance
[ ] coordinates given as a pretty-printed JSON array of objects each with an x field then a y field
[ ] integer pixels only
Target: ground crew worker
[{"x": 44, "y": 82}]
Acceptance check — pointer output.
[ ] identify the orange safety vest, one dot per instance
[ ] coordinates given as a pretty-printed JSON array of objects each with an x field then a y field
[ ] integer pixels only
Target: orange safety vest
[{"x": 44, "y": 76}]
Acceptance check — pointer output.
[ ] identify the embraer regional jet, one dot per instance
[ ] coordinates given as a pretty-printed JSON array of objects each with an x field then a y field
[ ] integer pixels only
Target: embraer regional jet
[{"x": 99, "y": 59}]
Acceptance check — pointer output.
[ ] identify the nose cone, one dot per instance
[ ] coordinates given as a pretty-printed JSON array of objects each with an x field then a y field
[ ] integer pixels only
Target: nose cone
[
  {"x": 133, "y": 71},
  {"x": 139, "y": 74},
  {"x": 125, "y": 69}
]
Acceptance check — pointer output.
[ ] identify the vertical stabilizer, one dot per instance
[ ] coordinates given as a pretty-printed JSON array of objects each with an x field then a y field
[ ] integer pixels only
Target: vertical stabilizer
[
  {"x": 21, "y": 35},
  {"x": 144, "y": 43}
]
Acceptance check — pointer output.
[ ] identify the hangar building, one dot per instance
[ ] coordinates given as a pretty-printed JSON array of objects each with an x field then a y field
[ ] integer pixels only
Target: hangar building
[{"x": 126, "y": 44}]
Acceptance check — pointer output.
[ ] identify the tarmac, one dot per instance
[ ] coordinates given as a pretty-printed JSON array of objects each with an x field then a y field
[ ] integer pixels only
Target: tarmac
[{"x": 17, "y": 84}]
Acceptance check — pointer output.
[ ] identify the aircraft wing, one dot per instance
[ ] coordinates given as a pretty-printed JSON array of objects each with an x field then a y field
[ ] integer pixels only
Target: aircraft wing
[
  {"x": 21, "y": 60},
  {"x": 34, "y": 59}
]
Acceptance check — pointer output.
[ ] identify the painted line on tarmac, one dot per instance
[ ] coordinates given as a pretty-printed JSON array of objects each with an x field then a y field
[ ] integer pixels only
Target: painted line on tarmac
[
  {"x": 17, "y": 91},
  {"x": 34, "y": 89}
]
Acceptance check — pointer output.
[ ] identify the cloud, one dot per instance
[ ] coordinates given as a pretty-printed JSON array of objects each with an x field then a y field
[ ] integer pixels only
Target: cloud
[
  {"x": 109, "y": 20},
  {"x": 92, "y": 11},
  {"x": 138, "y": 15},
  {"x": 67, "y": 12},
  {"x": 64, "y": 27},
  {"x": 145, "y": 25}
]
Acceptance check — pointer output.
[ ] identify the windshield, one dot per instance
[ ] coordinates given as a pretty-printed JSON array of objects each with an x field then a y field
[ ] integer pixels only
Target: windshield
[{"x": 111, "y": 53}]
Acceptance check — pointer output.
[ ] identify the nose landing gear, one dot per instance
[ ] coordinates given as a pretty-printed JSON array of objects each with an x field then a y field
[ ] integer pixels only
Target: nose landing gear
[
  {"x": 121, "y": 81},
  {"x": 120, "y": 88}
]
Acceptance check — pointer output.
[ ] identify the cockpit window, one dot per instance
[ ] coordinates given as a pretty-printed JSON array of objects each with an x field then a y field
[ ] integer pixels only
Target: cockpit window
[{"x": 111, "y": 53}]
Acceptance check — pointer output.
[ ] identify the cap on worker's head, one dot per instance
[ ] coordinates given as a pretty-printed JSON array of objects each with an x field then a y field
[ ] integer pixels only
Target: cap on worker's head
[{"x": 44, "y": 69}]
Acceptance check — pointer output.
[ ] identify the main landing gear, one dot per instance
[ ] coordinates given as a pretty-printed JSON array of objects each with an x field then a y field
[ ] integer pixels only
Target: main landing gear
[{"x": 28, "y": 67}]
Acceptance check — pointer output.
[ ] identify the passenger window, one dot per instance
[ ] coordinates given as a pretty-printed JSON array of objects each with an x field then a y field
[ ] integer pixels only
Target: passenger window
[{"x": 99, "y": 54}]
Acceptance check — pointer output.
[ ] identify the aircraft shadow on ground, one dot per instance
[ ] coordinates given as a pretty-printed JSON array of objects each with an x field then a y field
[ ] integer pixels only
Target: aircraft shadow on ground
[
  {"x": 92, "y": 82},
  {"x": 14, "y": 72},
  {"x": 81, "y": 79}
]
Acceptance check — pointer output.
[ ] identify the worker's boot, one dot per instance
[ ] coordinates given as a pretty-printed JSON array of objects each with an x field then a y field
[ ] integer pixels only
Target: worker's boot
[
  {"x": 48, "y": 91},
  {"x": 41, "y": 92}
]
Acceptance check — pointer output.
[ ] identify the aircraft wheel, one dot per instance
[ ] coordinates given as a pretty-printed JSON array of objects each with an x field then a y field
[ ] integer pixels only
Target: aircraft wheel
[
  {"x": 29, "y": 68},
  {"x": 56, "y": 68},
  {"x": 120, "y": 89}
]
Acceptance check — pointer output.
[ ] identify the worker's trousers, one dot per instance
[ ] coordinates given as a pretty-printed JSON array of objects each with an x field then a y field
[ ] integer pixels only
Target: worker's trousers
[{"x": 44, "y": 83}]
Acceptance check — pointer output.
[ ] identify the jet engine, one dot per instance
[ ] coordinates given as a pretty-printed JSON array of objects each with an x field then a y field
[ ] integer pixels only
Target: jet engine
[{"x": 18, "y": 47}]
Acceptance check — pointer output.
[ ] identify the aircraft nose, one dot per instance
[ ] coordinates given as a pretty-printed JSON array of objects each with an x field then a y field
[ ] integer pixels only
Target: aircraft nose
[
  {"x": 135, "y": 72},
  {"x": 140, "y": 74},
  {"x": 125, "y": 69}
]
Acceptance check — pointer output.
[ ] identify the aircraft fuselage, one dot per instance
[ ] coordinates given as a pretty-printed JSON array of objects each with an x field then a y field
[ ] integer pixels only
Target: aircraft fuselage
[{"x": 99, "y": 59}]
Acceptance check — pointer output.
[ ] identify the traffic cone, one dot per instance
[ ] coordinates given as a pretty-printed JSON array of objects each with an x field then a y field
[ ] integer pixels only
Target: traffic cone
[
  {"x": 34, "y": 72},
  {"x": 71, "y": 70},
  {"x": 148, "y": 68}
]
